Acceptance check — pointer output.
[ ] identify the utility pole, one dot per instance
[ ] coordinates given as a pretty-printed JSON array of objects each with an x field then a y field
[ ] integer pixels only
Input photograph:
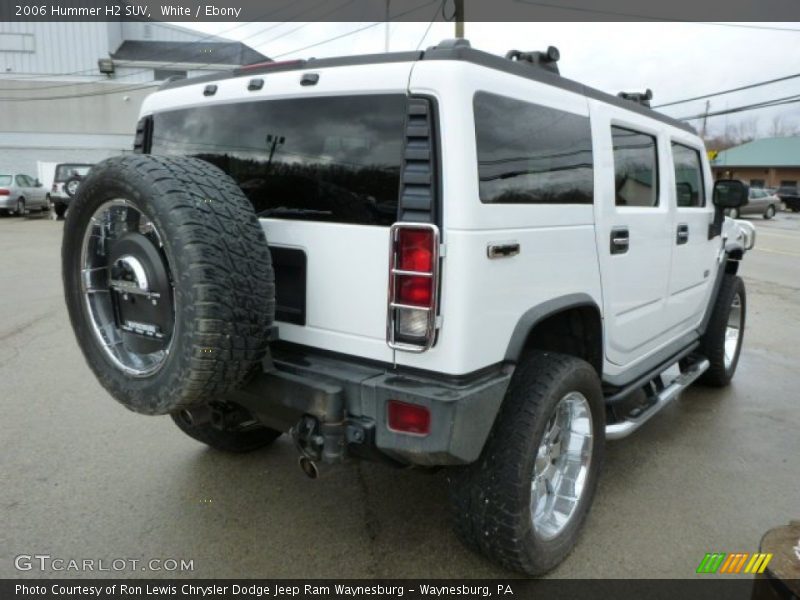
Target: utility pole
[
  {"x": 386, "y": 28},
  {"x": 705, "y": 119},
  {"x": 459, "y": 17}
]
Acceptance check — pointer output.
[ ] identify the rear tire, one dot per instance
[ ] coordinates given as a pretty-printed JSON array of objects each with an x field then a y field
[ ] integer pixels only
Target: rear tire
[
  {"x": 219, "y": 280},
  {"x": 730, "y": 308},
  {"x": 227, "y": 440},
  {"x": 491, "y": 499}
]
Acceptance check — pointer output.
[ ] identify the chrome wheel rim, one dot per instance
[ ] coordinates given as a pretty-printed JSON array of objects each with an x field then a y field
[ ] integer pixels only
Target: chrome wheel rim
[
  {"x": 561, "y": 467},
  {"x": 733, "y": 332},
  {"x": 108, "y": 223}
]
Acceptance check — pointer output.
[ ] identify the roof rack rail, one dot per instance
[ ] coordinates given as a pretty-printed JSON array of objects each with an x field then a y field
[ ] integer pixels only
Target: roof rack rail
[
  {"x": 547, "y": 59},
  {"x": 638, "y": 97}
]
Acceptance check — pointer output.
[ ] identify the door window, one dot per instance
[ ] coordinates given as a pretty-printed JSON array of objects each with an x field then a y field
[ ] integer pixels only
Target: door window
[
  {"x": 635, "y": 168},
  {"x": 689, "y": 190},
  {"x": 23, "y": 181}
]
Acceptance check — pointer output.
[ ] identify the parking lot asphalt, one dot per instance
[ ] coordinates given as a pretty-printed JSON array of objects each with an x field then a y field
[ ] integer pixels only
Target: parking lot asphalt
[{"x": 83, "y": 478}]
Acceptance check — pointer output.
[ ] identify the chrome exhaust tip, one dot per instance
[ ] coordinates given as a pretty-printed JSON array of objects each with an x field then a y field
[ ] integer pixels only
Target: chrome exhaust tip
[
  {"x": 198, "y": 415},
  {"x": 309, "y": 467}
]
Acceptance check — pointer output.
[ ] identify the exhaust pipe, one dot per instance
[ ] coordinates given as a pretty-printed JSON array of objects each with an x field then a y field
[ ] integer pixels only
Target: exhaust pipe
[
  {"x": 309, "y": 467},
  {"x": 198, "y": 415}
]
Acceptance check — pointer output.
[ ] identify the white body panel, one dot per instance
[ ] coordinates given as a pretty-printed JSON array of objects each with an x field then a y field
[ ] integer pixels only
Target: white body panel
[
  {"x": 482, "y": 300},
  {"x": 648, "y": 297}
]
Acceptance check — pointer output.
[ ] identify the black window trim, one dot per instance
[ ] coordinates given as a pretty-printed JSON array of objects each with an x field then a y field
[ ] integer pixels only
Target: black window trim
[
  {"x": 673, "y": 143},
  {"x": 616, "y": 124}
]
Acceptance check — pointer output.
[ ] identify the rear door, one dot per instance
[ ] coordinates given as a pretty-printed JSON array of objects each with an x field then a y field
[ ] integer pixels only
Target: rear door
[
  {"x": 321, "y": 166},
  {"x": 633, "y": 231}
]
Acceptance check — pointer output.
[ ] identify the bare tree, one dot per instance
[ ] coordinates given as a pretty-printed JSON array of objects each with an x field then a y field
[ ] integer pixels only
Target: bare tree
[{"x": 780, "y": 128}]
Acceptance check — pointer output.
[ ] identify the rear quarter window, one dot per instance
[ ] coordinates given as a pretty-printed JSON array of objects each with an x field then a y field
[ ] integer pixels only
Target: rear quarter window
[{"x": 531, "y": 154}]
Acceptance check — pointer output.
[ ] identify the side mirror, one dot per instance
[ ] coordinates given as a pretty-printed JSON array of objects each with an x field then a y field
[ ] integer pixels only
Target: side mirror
[
  {"x": 730, "y": 193},
  {"x": 37, "y": 183}
]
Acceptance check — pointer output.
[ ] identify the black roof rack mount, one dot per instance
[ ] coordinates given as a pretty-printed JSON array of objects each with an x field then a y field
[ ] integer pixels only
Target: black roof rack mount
[
  {"x": 547, "y": 59},
  {"x": 638, "y": 97}
]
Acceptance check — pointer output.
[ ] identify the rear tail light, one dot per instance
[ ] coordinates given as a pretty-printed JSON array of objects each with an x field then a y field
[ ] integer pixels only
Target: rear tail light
[
  {"x": 413, "y": 286},
  {"x": 4, "y": 192},
  {"x": 408, "y": 418}
]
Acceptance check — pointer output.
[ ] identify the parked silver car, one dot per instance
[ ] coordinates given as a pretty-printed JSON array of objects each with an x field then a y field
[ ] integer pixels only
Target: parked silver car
[
  {"x": 20, "y": 194},
  {"x": 759, "y": 202}
]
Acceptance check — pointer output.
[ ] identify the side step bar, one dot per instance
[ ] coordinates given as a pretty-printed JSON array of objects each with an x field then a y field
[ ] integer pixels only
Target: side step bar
[{"x": 627, "y": 426}]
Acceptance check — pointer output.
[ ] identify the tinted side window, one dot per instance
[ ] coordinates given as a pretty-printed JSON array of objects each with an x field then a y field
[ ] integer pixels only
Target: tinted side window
[
  {"x": 688, "y": 176},
  {"x": 22, "y": 181},
  {"x": 635, "y": 168},
  {"x": 531, "y": 154}
]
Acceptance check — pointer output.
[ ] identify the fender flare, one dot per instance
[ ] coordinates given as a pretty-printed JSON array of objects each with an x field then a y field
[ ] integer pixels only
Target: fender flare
[
  {"x": 536, "y": 314},
  {"x": 732, "y": 249}
]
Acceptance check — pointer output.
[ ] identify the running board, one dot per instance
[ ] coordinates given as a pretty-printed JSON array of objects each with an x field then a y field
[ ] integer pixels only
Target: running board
[{"x": 627, "y": 426}]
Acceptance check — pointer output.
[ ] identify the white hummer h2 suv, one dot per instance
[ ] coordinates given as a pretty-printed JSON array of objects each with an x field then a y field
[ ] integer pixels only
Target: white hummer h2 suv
[{"x": 441, "y": 258}]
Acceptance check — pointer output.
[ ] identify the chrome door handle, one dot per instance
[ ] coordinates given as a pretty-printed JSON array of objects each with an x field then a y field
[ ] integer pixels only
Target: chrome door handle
[
  {"x": 502, "y": 250},
  {"x": 620, "y": 240},
  {"x": 682, "y": 235}
]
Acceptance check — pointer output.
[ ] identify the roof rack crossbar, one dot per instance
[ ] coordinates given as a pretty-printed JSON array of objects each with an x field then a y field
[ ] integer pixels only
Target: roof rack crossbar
[
  {"x": 547, "y": 59},
  {"x": 642, "y": 98}
]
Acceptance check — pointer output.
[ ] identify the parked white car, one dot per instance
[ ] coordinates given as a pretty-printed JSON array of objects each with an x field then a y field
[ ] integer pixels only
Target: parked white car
[
  {"x": 434, "y": 259},
  {"x": 21, "y": 194}
]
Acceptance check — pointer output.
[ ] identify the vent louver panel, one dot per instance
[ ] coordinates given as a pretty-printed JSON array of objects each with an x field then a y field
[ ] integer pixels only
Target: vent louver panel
[{"x": 418, "y": 178}]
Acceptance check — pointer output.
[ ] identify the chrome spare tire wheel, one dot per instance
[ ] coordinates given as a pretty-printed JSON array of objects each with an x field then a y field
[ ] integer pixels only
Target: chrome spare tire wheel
[
  {"x": 168, "y": 281},
  {"x": 523, "y": 502}
]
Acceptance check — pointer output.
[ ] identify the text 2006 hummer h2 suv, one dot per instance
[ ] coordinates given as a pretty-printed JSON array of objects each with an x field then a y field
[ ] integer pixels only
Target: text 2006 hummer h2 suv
[{"x": 438, "y": 258}]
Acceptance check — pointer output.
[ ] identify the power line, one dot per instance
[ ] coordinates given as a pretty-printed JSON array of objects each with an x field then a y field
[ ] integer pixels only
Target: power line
[
  {"x": 152, "y": 56},
  {"x": 349, "y": 33},
  {"x": 150, "y": 84},
  {"x": 131, "y": 88},
  {"x": 330, "y": 12},
  {"x": 653, "y": 17},
  {"x": 428, "y": 28},
  {"x": 765, "y": 104},
  {"x": 737, "y": 89},
  {"x": 178, "y": 45}
]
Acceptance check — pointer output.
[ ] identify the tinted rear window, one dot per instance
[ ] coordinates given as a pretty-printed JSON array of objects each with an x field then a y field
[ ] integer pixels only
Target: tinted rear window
[
  {"x": 323, "y": 159},
  {"x": 5, "y": 179},
  {"x": 529, "y": 153},
  {"x": 64, "y": 172}
]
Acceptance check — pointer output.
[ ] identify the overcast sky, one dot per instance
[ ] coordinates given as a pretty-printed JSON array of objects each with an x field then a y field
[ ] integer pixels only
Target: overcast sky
[{"x": 675, "y": 60}]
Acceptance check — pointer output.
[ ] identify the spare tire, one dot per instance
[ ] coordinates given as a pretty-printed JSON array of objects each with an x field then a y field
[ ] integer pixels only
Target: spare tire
[
  {"x": 71, "y": 185},
  {"x": 168, "y": 281}
]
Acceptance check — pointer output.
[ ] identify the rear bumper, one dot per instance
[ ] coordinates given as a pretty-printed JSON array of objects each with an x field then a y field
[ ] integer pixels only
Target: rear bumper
[{"x": 348, "y": 401}]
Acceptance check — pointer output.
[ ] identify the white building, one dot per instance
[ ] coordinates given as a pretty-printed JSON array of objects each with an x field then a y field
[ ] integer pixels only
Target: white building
[{"x": 71, "y": 92}]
